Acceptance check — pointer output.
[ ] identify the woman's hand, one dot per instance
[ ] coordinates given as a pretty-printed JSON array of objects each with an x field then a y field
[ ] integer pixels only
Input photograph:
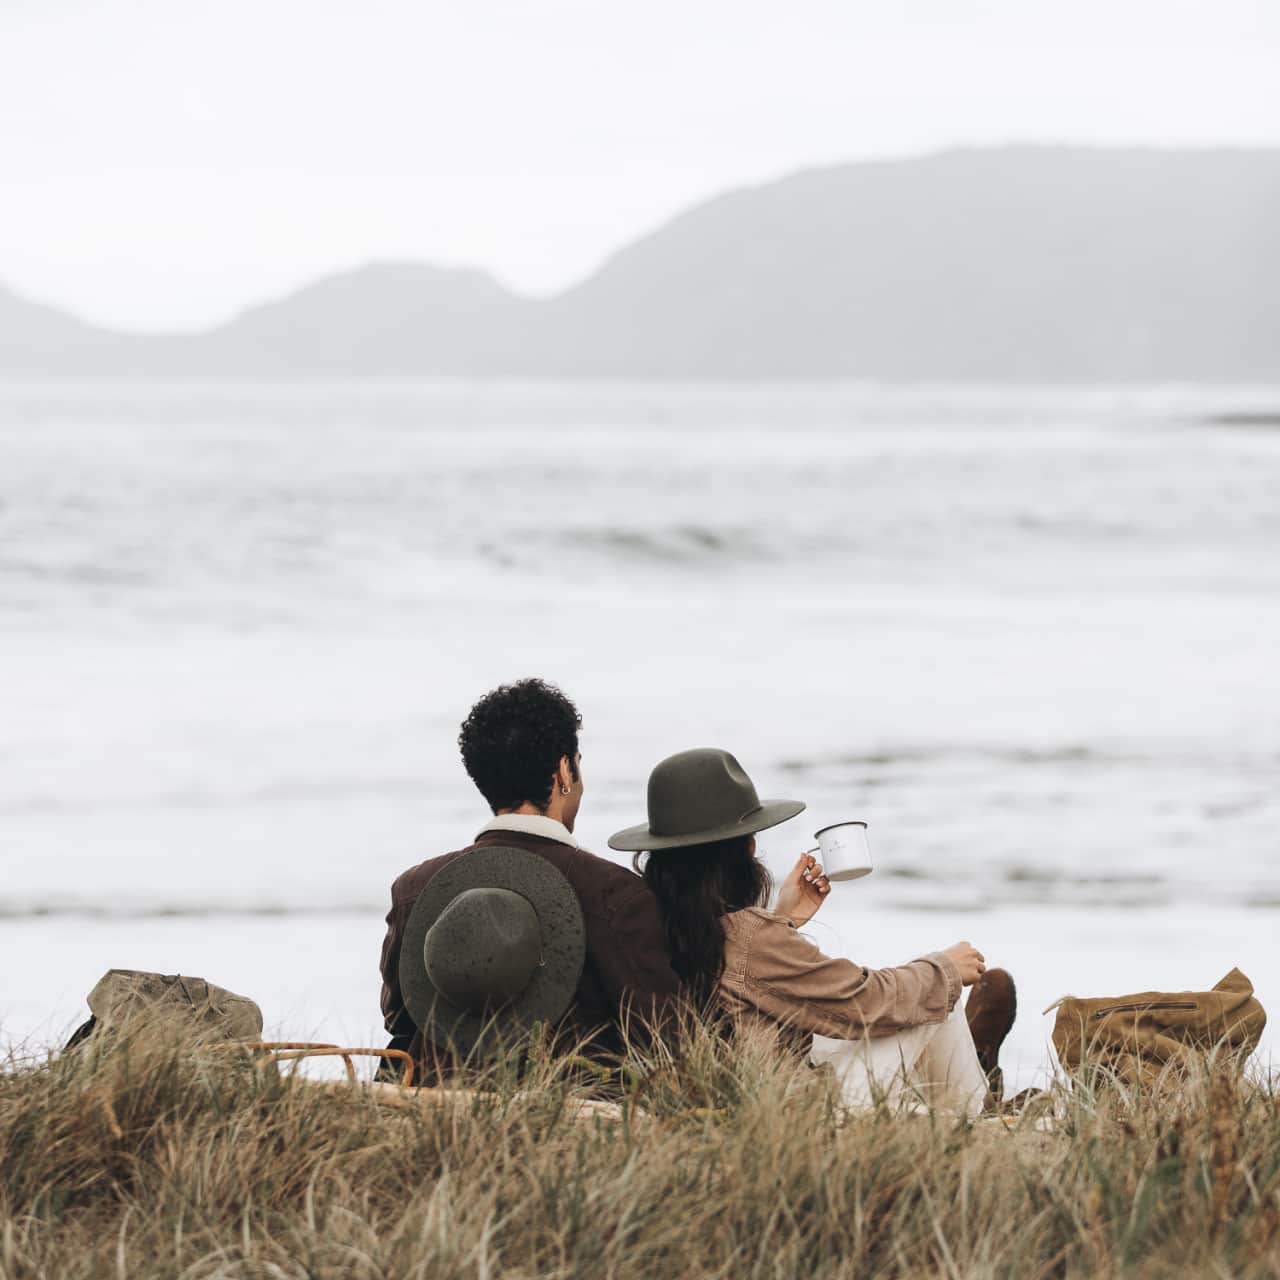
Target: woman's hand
[
  {"x": 969, "y": 960},
  {"x": 802, "y": 892}
]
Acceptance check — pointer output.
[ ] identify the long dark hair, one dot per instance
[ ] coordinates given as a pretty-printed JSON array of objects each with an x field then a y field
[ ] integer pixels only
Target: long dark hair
[{"x": 697, "y": 886}]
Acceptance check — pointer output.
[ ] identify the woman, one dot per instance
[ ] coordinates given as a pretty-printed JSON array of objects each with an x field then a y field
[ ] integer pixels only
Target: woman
[{"x": 886, "y": 1032}]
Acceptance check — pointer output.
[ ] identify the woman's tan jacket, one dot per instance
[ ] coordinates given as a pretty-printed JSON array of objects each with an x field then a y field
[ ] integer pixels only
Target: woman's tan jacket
[{"x": 775, "y": 978}]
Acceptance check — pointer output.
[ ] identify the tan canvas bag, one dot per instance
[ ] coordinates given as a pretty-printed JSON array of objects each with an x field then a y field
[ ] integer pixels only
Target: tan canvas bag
[
  {"x": 1138, "y": 1036},
  {"x": 198, "y": 1011}
]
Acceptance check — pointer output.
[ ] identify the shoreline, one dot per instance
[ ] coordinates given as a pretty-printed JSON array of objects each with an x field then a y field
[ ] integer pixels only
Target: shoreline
[{"x": 316, "y": 976}]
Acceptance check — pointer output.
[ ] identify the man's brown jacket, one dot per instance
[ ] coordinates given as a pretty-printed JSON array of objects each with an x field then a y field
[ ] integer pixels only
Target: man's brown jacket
[{"x": 627, "y": 976}]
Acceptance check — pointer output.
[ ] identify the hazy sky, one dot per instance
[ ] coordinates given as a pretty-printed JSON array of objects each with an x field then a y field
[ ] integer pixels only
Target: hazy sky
[{"x": 165, "y": 163}]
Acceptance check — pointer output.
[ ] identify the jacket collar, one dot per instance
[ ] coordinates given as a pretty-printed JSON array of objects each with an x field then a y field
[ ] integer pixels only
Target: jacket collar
[{"x": 531, "y": 824}]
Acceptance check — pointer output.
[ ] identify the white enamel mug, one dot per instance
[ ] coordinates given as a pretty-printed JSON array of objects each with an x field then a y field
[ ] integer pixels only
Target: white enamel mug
[{"x": 844, "y": 851}]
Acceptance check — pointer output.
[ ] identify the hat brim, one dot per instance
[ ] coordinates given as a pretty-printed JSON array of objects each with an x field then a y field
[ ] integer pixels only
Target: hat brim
[
  {"x": 771, "y": 813},
  {"x": 564, "y": 947}
]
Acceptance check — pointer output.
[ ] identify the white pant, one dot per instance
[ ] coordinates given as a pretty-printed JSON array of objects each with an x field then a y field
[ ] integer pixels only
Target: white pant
[{"x": 932, "y": 1066}]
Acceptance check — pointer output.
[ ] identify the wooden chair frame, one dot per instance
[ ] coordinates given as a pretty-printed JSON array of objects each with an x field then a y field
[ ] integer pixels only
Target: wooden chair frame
[{"x": 296, "y": 1050}]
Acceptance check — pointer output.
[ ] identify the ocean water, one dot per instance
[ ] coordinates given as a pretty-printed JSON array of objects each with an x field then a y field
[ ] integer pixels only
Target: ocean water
[{"x": 1030, "y": 636}]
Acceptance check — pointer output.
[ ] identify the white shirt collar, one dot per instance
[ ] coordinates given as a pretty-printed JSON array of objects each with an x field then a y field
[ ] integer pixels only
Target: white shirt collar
[{"x": 531, "y": 824}]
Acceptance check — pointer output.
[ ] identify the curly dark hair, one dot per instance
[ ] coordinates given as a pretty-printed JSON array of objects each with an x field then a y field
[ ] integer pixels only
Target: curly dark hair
[{"x": 513, "y": 740}]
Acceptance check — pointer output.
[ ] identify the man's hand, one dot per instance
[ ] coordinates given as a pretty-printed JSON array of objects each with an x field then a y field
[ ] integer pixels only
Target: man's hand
[
  {"x": 970, "y": 961},
  {"x": 803, "y": 890}
]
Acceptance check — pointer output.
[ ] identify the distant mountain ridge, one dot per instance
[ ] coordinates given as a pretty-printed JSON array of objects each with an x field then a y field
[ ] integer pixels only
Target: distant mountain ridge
[{"x": 1021, "y": 263}]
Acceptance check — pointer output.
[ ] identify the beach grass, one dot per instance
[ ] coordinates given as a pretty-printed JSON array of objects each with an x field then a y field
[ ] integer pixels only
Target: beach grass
[{"x": 141, "y": 1157}]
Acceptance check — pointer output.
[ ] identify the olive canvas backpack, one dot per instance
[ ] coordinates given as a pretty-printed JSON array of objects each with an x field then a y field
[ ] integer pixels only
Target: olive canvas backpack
[{"x": 192, "y": 1008}]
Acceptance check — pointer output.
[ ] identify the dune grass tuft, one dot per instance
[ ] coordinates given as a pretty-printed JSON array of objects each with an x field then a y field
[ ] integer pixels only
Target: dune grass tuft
[{"x": 143, "y": 1158}]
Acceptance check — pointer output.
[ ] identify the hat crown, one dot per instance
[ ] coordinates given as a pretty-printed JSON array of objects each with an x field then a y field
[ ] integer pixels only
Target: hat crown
[
  {"x": 484, "y": 948},
  {"x": 699, "y": 790}
]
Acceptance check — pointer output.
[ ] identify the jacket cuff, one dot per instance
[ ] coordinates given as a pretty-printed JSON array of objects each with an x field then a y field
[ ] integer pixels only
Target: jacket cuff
[{"x": 952, "y": 970}]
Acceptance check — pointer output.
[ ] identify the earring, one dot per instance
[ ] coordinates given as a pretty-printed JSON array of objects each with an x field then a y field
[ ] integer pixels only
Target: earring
[{"x": 564, "y": 791}]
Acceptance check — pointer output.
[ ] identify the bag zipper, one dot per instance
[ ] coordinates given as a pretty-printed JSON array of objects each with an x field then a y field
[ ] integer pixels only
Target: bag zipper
[{"x": 1144, "y": 1006}]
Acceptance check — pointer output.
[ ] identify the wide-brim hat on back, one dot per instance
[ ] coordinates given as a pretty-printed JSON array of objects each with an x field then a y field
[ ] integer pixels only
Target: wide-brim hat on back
[
  {"x": 699, "y": 797},
  {"x": 494, "y": 944}
]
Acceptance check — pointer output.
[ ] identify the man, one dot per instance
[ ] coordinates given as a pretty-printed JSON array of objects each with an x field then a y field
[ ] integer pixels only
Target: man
[{"x": 520, "y": 746}]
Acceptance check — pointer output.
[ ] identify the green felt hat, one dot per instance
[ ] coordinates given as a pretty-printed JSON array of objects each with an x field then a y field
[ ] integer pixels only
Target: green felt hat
[
  {"x": 494, "y": 943},
  {"x": 700, "y": 796}
]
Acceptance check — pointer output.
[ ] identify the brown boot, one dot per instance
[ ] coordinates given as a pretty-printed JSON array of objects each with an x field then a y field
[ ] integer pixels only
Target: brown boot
[{"x": 990, "y": 1011}]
